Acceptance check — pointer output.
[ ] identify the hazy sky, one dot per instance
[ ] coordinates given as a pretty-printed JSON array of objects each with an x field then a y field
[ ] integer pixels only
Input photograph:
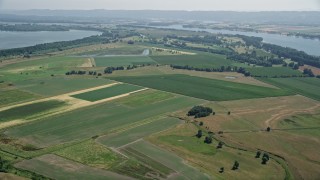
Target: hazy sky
[{"x": 235, "y": 5}]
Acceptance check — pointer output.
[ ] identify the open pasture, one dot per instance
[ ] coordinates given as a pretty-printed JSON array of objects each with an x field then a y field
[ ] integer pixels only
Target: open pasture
[
  {"x": 204, "y": 88},
  {"x": 116, "y": 61},
  {"x": 293, "y": 135},
  {"x": 108, "y": 92},
  {"x": 209, "y": 159},
  {"x": 309, "y": 87}
]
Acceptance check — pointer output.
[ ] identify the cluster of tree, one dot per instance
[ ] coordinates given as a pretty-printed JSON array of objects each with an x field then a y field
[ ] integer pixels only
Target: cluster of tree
[
  {"x": 243, "y": 71},
  {"x": 220, "y": 145},
  {"x": 130, "y": 42},
  {"x": 221, "y": 69},
  {"x": 94, "y": 73},
  {"x": 235, "y": 165},
  {"x": 293, "y": 65},
  {"x": 32, "y": 27},
  {"x": 56, "y": 46},
  {"x": 208, "y": 139},
  {"x": 109, "y": 70},
  {"x": 208, "y": 39},
  {"x": 4, "y": 165},
  {"x": 293, "y": 54},
  {"x": 308, "y": 72},
  {"x": 200, "y": 111},
  {"x": 265, "y": 157},
  {"x": 251, "y": 40},
  {"x": 252, "y": 58},
  {"x": 199, "y": 134},
  {"x": 73, "y": 72}
]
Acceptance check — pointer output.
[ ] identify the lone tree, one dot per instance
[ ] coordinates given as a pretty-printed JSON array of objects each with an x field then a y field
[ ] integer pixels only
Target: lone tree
[
  {"x": 268, "y": 129},
  {"x": 208, "y": 140},
  {"x": 221, "y": 170},
  {"x": 258, "y": 154},
  {"x": 201, "y": 123},
  {"x": 229, "y": 112},
  {"x": 220, "y": 145},
  {"x": 265, "y": 158},
  {"x": 199, "y": 134},
  {"x": 235, "y": 165}
]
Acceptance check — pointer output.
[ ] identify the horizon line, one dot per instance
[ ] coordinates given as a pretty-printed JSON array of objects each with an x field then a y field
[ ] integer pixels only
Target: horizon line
[{"x": 163, "y": 10}]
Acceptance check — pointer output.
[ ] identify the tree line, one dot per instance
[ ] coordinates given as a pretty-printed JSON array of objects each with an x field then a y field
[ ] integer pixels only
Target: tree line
[
  {"x": 293, "y": 54},
  {"x": 32, "y": 27}
]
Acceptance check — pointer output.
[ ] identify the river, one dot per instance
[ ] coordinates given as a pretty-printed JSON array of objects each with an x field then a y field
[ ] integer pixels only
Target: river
[
  {"x": 15, "y": 39},
  {"x": 310, "y": 46}
]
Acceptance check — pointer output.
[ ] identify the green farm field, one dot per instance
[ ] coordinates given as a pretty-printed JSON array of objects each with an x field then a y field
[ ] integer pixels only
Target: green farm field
[
  {"x": 273, "y": 72},
  {"x": 12, "y": 96},
  {"x": 55, "y": 167},
  {"x": 203, "y": 88},
  {"x": 200, "y": 61},
  {"x": 27, "y": 111},
  {"x": 94, "y": 120},
  {"x": 309, "y": 87},
  {"x": 116, "y": 49},
  {"x": 131, "y": 135},
  {"x": 108, "y": 92},
  {"x": 115, "y": 61},
  {"x": 59, "y": 85}
]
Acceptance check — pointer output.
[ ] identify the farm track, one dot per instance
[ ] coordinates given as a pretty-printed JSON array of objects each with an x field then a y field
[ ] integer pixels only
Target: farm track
[
  {"x": 285, "y": 113},
  {"x": 73, "y": 104}
]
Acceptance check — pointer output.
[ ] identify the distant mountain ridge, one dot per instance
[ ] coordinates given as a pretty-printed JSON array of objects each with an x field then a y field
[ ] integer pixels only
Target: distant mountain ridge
[{"x": 274, "y": 17}]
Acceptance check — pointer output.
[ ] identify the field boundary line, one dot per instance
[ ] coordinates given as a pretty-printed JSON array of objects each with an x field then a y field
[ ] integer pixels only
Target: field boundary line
[{"x": 59, "y": 96}]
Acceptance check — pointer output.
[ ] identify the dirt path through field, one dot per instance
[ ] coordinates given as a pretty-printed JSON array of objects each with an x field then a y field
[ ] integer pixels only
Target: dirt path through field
[
  {"x": 73, "y": 103},
  {"x": 285, "y": 113}
]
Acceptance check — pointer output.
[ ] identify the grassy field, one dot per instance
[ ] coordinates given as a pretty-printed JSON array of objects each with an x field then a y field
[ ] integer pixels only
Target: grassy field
[
  {"x": 302, "y": 124},
  {"x": 209, "y": 89},
  {"x": 30, "y": 110},
  {"x": 8, "y": 97},
  {"x": 133, "y": 134},
  {"x": 55, "y": 167},
  {"x": 59, "y": 85},
  {"x": 246, "y": 126},
  {"x": 94, "y": 120},
  {"x": 273, "y": 72},
  {"x": 148, "y": 97},
  {"x": 209, "y": 159},
  {"x": 116, "y": 61},
  {"x": 118, "y": 49},
  {"x": 309, "y": 87},
  {"x": 108, "y": 92},
  {"x": 92, "y": 154},
  {"x": 96, "y": 155},
  {"x": 164, "y": 162},
  {"x": 200, "y": 61}
]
